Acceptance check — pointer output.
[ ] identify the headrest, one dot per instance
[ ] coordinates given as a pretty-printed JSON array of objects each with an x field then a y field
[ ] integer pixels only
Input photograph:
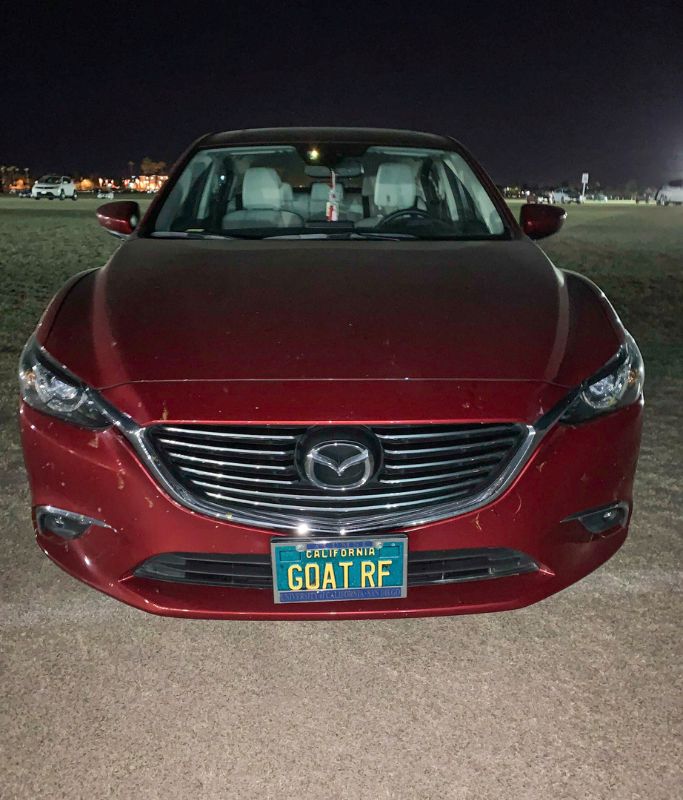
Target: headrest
[
  {"x": 320, "y": 192},
  {"x": 287, "y": 194},
  {"x": 395, "y": 186},
  {"x": 261, "y": 189}
]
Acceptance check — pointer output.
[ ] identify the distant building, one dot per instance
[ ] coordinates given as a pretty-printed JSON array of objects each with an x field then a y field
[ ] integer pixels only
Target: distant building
[{"x": 145, "y": 183}]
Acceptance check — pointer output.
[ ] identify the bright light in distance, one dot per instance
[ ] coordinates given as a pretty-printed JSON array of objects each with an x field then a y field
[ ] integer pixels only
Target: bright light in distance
[{"x": 313, "y": 154}]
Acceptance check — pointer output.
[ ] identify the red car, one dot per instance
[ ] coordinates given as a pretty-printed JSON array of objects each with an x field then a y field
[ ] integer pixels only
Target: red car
[{"x": 328, "y": 376}]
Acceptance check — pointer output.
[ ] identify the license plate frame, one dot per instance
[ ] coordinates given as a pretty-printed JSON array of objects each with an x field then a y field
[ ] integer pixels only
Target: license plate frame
[{"x": 286, "y": 552}]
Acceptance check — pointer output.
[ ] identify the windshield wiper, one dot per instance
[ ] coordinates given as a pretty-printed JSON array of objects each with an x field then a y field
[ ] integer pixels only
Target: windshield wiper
[
  {"x": 198, "y": 235},
  {"x": 387, "y": 237},
  {"x": 391, "y": 237}
]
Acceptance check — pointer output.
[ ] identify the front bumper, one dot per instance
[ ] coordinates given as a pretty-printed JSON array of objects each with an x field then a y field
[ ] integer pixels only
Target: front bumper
[{"x": 97, "y": 474}]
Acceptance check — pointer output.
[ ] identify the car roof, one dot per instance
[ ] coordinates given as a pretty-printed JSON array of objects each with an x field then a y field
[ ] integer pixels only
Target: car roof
[{"x": 371, "y": 136}]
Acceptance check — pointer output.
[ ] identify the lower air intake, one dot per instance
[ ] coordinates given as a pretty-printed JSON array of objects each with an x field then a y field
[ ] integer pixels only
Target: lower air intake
[{"x": 254, "y": 571}]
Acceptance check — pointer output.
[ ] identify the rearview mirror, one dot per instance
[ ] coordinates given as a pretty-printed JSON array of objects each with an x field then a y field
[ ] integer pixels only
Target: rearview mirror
[
  {"x": 347, "y": 168},
  {"x": 120, "y": 218},
  {"x": 539, "y": 221}
]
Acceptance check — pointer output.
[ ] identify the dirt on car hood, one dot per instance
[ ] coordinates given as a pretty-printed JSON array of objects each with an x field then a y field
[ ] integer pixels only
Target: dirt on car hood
[{"x": 200, "y": 310}]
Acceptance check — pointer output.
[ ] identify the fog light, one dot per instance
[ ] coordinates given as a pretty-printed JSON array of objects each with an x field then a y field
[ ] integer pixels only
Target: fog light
[
  {"x": 600, "y": 520},
  {"x": 67, "y": 524}
]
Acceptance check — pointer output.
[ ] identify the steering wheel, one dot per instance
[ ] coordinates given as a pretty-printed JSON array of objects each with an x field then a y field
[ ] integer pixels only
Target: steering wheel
[{"x": 408, "y": 213}]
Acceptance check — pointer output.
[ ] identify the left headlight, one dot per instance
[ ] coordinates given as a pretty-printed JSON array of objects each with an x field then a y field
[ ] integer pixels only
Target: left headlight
[
  {"x": 49, "y": 388},
  {"x": 619, "y": 383}
]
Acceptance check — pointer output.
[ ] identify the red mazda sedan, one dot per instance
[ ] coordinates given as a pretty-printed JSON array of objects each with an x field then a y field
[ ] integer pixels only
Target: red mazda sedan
[{"x": 328, "y": 375}]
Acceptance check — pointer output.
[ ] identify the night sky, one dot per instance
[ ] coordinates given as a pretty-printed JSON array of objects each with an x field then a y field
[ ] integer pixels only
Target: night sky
[{"x": 538, "y": 91}]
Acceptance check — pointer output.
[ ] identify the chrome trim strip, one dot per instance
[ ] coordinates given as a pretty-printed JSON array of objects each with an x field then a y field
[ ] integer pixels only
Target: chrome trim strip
[
  {"x": 231, "y": 435},
  {"x": 240, "y": 464},
  {"x": 436, "y": 435},
  {"x": 226, "y": 477},
  {"x": 219, "y": 449},
  {"x": 437, "y": 476},
  {"x": 449, "y": 449},
  {"x": 444, "y": 463}
]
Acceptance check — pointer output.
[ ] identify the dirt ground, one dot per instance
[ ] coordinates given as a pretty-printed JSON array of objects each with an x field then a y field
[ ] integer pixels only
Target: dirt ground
[{"x": 576, "y": 697}]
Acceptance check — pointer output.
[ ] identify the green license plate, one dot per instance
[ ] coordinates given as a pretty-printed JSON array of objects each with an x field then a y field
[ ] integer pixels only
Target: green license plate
[{"x": 348, "y": 568}]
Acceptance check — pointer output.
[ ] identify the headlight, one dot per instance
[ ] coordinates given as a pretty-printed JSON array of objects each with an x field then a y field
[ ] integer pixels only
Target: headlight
[
  {"x": 47, "y": 387},
  {"x": 619, "y": 383}
]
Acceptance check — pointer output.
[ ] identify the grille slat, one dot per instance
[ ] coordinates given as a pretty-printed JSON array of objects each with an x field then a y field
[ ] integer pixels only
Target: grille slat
[
  {"x": 424, "y": 567},
  {"x": 339, "y": 499},
  {"x": 450, "y": 435},
  {"x": 458, "y": 448},
  {"x": 213, "y": 448},
  {"x": 226, "y": 477},
  {"x": 256, "y": 470},
  {"x": 438, "y": 477},
  {"x": 337, "y": 510},
  {"x": 493, "y": 458},
  {"x": 216, "y": 434},
  {"x": 237, "y": 464}
]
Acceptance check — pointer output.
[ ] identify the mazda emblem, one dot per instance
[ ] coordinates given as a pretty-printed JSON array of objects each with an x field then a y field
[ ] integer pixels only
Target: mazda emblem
[{"x": 338, "y": 465}]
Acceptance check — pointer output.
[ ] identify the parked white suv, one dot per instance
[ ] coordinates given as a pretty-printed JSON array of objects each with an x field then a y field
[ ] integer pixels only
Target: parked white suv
[
  {"x": 50, "y": 186},
  {"x": 671, "y": 192}
]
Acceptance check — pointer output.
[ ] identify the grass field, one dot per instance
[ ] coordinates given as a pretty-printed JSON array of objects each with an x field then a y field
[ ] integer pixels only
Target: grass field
[{"x": 576, "y": 697}]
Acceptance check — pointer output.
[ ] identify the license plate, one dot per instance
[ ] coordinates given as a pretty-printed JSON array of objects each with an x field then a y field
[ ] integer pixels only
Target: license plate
[{"x": 348, "y": 568}]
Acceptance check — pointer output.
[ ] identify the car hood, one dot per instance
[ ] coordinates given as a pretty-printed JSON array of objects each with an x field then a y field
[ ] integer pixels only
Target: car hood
[{"x": 208, "y": 310}]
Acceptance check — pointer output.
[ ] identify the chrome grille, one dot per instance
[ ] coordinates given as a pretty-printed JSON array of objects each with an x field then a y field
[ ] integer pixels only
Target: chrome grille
[{"x": 250, "y": 473}]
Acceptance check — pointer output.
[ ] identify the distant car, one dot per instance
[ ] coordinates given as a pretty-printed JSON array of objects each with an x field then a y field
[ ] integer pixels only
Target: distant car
[
  {"x": 599, "y": 198},
  {"x": 260, "y": 409},
  {"x": 561, "y": 195},
  {"x": 671, "y": 192},
  {"x": 104, "y": 193},
  {"x": 565, "y": 195},
  {"x": 540, "y": 196},
  {"x": 51, "y": 186}
]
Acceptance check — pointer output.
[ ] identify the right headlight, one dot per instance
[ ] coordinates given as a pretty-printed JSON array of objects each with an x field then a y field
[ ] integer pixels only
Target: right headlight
[
  {"x": 48, "y": 387},
  {"x": 619, "y": 383}
]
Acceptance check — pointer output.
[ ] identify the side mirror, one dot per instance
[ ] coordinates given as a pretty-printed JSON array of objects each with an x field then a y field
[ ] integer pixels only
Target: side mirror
[
  {"x": 539, "y": 221},
  {"x": 120, "y": 218}
]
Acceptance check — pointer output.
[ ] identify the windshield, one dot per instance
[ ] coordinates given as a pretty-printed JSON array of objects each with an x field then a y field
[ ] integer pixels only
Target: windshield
[
  {"x": 340, "y": 191},
  {"x": 50, "y": 179}
]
